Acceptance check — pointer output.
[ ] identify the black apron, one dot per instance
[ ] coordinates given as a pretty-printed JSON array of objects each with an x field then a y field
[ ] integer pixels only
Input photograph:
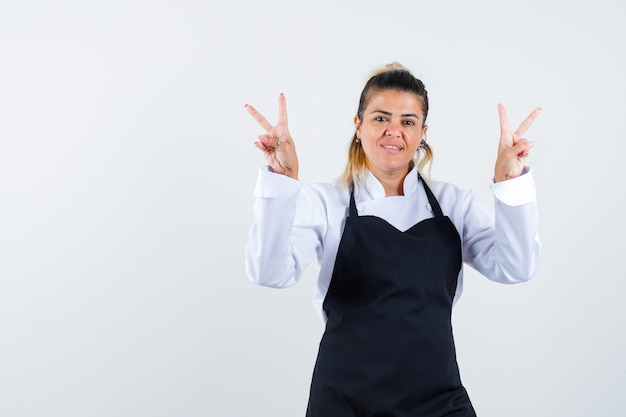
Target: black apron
[{"x": 388, "y": 349}]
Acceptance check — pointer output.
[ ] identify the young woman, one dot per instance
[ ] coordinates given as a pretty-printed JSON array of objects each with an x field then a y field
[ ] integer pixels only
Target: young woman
[{"x": 391, "y": 247}]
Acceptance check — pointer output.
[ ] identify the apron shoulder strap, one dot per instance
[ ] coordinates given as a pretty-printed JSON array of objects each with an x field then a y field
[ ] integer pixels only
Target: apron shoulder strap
[
  {"x": 434, "y": 204},
  {"x": 353, "y": 212}
]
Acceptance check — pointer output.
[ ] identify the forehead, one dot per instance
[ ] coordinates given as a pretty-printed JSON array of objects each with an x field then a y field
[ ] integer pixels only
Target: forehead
[{"x": 394, "y": 101}]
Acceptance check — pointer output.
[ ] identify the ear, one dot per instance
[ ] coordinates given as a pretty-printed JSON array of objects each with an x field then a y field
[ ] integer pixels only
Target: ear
[
  {"x": 357, "y": 125},
  {"x": 424, "y": 129}
]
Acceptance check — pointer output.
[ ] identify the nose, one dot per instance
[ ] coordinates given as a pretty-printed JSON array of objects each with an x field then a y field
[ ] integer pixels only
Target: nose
[{"x": 393, "y": 129}]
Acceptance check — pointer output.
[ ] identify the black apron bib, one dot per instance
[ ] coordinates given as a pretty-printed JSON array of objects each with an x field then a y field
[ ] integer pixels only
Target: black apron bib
[{"x": 388, "y": 349}]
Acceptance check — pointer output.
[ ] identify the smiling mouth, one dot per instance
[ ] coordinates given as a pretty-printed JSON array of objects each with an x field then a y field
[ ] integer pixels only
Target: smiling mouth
[{"x": 392, "y": 147}]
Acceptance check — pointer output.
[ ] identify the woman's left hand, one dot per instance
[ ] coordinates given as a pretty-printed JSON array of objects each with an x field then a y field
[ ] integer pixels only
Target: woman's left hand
[{"x": 513, "y": 148}]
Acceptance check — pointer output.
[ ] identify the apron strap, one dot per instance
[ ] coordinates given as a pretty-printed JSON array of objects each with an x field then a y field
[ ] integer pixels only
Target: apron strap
[
  {"x": 434, "y": 204},
  {"x": 353, "y": 212}
]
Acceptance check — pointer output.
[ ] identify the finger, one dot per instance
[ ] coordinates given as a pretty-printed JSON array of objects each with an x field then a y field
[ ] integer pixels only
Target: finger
[
  {"x": 523, "y": 145},
  {"x": 258, "y": 117},
  {"x": 270, "y": 142},
  {"x": 527, "y": 122},
  {"x": 265, "y": 140},
  {"x": 282, "y": 109},
  {"x": 520, "y": 150},
  {"x": 504, "y": 121}
]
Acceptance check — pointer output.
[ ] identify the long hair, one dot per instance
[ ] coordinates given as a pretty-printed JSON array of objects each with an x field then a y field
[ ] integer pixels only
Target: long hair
[{"x": 390, "y": 77}]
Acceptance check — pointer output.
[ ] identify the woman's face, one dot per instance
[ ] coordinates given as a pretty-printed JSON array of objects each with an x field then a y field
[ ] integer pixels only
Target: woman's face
[{"x": 391, "y": 131}]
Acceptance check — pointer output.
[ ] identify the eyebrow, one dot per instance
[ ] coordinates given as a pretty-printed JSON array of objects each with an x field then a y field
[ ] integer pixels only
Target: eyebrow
[{"x": 386, "y": 113}]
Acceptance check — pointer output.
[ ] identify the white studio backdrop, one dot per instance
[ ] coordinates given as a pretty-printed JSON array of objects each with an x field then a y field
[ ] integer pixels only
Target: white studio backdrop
[{"x": 127, "y": 168}]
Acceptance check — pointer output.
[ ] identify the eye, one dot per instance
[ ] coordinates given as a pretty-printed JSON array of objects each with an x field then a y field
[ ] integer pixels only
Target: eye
[
  {"x": 380, "y": 119},
  {"x": 409, "y": 122}
]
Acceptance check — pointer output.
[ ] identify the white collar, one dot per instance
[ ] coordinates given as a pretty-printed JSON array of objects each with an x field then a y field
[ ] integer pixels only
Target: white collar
[{"x": 373, "y": 189}]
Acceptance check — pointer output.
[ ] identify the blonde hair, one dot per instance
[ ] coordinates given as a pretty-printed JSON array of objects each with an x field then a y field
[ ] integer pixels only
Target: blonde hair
[{"x": 392, "y": 76}]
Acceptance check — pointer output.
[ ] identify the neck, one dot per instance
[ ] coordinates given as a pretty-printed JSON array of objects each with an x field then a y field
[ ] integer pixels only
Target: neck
[{"x": 392, "y": 182}]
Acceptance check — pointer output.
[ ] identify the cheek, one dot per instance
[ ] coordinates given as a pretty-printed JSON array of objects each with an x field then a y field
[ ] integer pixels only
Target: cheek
[{"x": 371, "y": 131}]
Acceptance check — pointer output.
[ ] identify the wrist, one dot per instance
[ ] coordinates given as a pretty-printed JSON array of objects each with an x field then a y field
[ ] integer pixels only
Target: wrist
[{"x": 292, "y": 173}]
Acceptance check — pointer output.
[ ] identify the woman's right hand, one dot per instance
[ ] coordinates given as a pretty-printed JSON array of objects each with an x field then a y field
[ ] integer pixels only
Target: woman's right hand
[{"x": 276, "y": 143}]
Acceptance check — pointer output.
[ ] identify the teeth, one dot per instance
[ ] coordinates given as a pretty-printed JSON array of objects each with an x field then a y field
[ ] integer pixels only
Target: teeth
[{"x": 391, "y": 147}]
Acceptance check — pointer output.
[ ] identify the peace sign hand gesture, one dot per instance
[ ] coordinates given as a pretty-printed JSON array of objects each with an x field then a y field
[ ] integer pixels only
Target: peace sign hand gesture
[
  {"x": 513, "y": 148},
  {"x": 276, "y": 143}
]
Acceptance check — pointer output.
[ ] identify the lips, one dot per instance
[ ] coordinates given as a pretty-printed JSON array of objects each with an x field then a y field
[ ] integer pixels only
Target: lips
[{"x": 392, "y": 147}]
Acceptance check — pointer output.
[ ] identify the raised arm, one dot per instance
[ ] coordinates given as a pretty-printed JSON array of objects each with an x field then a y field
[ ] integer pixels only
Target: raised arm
[{"x": 289, "y": 223}]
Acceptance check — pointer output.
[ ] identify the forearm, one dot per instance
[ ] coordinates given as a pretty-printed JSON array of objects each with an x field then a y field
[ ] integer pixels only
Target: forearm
[
  {"x": 287, "y": 231},
  {"x": 505, "y": 249},
  {"x": 518, "y": 249},
  {"x": 269, "y": 260},
  {"x": 517, "y": 245}
]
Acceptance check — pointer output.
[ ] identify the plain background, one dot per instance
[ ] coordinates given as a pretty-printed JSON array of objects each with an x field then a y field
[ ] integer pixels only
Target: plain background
[{"x": 127, "y": 168}]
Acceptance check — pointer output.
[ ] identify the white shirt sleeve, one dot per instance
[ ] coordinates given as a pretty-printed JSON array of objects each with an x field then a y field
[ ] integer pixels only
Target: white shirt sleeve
[
  {"x": 510, "y": 252},
  {"x": 287, "y": 231}
]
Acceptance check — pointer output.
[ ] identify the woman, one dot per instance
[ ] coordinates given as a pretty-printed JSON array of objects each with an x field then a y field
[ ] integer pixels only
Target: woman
[{"x": 390, "y": 247}]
